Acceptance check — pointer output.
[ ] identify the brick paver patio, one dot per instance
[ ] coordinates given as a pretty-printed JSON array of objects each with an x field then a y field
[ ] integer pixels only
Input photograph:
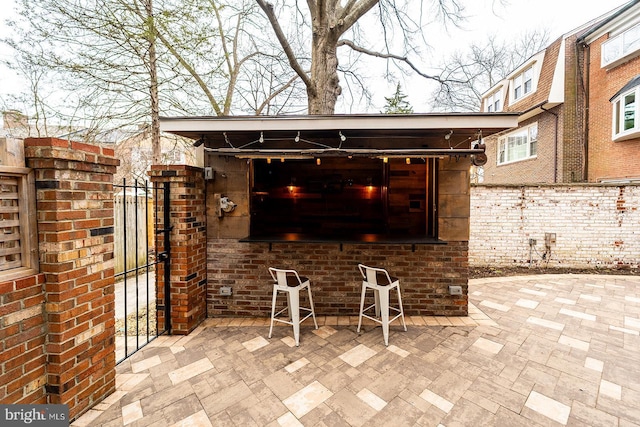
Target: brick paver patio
[{"x": 536, "y": 350}]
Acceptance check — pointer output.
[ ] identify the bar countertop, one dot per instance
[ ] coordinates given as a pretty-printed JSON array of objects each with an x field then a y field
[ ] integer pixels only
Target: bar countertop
[{"x": 373, "y": 239}]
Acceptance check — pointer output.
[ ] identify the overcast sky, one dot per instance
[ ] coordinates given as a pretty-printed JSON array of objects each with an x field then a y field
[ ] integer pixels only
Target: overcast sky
[
  {"x": 501, "y": 17},
  {"x": 505, "y": 19}
]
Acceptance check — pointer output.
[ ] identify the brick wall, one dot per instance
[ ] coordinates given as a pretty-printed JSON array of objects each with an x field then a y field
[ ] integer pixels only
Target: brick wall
[
  {"x": 188, "y": 246},
  {"x": 572, "y": 119},
  {"x": 73, "y": 297},
  {"x": 596, "y": 225},
  {"x": 608, "y": 159},
  {"x": 22, "y": 341},
  {"x": 539, "y": 169},
  {"x": 425, "y": 275}
]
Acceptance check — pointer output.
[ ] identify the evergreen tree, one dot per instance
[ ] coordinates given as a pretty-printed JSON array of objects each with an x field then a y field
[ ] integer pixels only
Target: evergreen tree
[{"x": 397, "y": 104}]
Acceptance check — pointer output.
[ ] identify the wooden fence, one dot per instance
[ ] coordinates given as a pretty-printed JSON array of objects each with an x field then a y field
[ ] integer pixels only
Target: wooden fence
[{"x": 133, "y": 214}]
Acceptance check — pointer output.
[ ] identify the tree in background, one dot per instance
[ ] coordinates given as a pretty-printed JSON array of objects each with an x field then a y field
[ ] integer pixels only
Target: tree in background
[
  {"x": 125, "y": 62},
  {"x": 473, "y": 72},
  {"x": 312, "y": 45},
  {"x": 397, "y": 104}
]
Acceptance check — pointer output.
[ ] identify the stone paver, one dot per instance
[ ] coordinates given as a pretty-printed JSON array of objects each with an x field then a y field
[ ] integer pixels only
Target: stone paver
[{"x": 534, "y": 350}]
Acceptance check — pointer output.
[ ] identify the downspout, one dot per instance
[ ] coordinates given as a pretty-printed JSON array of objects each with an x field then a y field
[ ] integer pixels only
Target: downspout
[
  {"x": 555, "y": 145},
  {"x": 586, "y": 80}
]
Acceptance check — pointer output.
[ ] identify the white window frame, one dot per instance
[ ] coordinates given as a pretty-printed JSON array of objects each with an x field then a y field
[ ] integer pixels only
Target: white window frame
[
  {"x": 520, "y": 80},
  {"x": 506, "y": 152},
  {"x": 491, "y": 100},
  {"x": 619, "y": 48},
  {"x": 620, "y": 129}
]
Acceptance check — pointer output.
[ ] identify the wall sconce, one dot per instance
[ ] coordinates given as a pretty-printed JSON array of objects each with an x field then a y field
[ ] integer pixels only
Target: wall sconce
[
  {"x": 226, "y": 205},
  {"x": 223, "y": 205},
  {"x": 318, "y": 161},
  {"x": 281, "y": 159},
  {"x": 408, "y": 160},
  {"x": 385, "y": 160},
  {"x": 269, "y": 160}
]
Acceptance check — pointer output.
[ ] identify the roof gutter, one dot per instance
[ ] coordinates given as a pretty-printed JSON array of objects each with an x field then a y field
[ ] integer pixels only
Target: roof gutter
[
  {"x": 555, "y": 145},
  {"x": 622, "y": 10}
]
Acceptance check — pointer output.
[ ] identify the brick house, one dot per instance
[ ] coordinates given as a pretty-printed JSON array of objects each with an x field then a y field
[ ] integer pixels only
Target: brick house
[
  {"x": 321, "y": 194},
  {"x": 611, "y": 76},
  {"x": 553, "y": 91}
]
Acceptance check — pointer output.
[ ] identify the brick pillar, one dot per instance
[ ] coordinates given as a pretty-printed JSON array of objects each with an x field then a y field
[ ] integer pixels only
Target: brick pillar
[
  {"x": 74, "y": 193},
  {"x": 188, "y": 259}
]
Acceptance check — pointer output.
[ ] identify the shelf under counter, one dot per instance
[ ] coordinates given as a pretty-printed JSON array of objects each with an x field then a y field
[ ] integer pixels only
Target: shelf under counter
[{"x": 360, "y": 239}]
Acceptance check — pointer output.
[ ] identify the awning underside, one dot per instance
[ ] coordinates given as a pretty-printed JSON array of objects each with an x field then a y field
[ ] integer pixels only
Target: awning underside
[{"x": 418, "y": 135}]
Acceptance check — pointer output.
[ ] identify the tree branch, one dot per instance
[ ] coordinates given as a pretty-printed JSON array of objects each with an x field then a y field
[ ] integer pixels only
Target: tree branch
[
  {"x": 352, "y": 45},
  {"x": 275, "y": 93},
  {"x": 273, "y": 20},
  {"x": 353, "y": 11}
]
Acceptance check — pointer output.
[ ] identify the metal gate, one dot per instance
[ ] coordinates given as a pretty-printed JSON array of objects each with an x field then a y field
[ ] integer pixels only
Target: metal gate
[{"x": 139, "y": 224}]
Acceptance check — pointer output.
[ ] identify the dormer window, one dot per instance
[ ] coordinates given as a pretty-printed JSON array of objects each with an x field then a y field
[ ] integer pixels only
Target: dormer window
[
  {"x": 493, "y": 102},
  {"x": 523, "y": 83}
]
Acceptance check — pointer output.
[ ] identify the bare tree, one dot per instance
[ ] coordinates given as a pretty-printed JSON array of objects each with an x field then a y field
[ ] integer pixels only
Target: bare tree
[
  {"x": 331, "y": 23},
  {"x": 481, "y": 66},
  {"x": 124, "y": 62}
]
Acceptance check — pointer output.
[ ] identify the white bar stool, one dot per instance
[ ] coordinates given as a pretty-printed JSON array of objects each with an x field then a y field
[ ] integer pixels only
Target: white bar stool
[
  {"x": 381, "y": 283},
  {"x": 288, "y": 281}
]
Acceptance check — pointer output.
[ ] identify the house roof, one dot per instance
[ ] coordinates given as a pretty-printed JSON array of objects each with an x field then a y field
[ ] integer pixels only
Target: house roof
[
  {"x": 364, "y": 134},
  {"x": 634, "y": 82},
  {"x": 611, "y": 16}
]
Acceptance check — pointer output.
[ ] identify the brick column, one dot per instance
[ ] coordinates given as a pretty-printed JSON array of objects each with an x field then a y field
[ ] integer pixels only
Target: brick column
[
  {"x": 188, "y": 259},
  {"x": 74, "y": 192}
]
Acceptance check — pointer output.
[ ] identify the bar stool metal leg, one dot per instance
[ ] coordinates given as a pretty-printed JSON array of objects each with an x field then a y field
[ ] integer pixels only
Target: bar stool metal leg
[
  {"x": 401, "y": 309},
  {"x": 363, "y": 294},
  {"x": 273, "y": 308},
  {"x": 313, "y": 311},
  {"x": 383, "y": 294}
]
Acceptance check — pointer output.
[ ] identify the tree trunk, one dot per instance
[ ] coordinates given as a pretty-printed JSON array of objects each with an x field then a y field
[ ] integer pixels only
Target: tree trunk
[
  {"x": 153, "y": 87},
  {"x": 325, "y": 88}
]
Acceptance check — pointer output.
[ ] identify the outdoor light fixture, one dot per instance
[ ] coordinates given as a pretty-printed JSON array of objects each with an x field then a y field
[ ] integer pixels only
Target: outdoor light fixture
[
  {"x": 297, "y": 138},
  {"x": 261, "y": 140},
  {"x": 318, "y": 161},
  {"x": 226, "y": 205},
  {"x": 342, "y": 137},
  {"x": 408, "y": 160},
  {"x": 269, "y": 160},
  {"x": 385, "y": 160}
]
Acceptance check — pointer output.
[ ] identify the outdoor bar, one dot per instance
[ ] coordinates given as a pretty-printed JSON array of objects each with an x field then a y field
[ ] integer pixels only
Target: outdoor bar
[{"x": 321, "y": 194}]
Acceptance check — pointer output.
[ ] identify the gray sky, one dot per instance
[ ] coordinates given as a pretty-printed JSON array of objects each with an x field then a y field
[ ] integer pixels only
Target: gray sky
[{"x": 504, "y": 18}]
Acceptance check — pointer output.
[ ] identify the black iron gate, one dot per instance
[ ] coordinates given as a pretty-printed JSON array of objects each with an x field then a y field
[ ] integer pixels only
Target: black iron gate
[{"x": 139, "y": 223}]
